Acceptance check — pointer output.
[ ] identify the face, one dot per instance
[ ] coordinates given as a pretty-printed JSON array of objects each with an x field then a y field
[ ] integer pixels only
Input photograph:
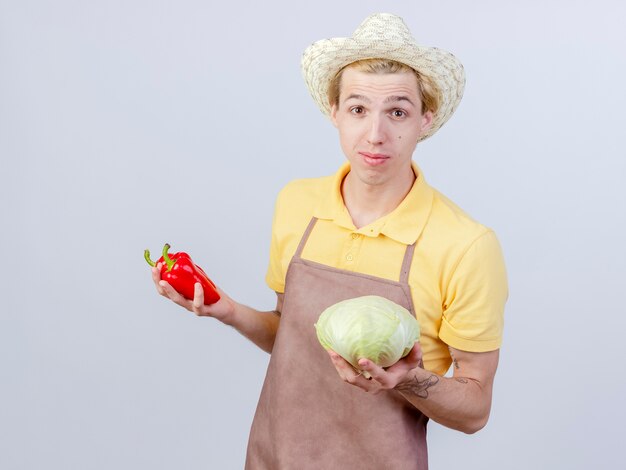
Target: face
[{"x": 379, "y": 119}]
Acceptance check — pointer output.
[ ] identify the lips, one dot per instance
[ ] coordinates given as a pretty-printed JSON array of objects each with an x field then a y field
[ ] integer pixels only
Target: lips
[{"x": 374, "y": 159}]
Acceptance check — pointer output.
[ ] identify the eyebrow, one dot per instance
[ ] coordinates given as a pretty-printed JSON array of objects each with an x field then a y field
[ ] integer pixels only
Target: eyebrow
[
  {"x": 390, "y": 99},
  {"x": 396, "y": 98},
  {"x": 354, "y": 96}
]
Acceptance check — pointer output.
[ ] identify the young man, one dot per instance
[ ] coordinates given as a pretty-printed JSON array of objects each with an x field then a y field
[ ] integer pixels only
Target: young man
[{"x": 375, "y": 227}]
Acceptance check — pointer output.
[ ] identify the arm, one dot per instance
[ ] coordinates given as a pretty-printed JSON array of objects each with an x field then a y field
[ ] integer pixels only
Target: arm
[
  {"x": 475, "y": 298},
  {"x": 259, "y": 327},
  {"x": 460, "y": 402}
]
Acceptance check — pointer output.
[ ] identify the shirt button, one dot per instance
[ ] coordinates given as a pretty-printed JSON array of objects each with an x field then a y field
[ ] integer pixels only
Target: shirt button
[
  {"x": 355, "y": 236},
  {"x": 349, "y": 257}
]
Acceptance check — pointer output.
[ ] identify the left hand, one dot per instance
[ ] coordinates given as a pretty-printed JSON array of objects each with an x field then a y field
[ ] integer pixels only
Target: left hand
[{"x": 381, "y": 379}]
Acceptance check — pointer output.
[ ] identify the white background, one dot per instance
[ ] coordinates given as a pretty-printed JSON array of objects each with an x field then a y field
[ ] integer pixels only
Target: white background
[{"x": 126, "y": 124}]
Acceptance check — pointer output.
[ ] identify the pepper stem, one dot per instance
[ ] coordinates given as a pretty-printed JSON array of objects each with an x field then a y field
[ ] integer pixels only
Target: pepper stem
[
  {"x": 166, "y": 257},
  {"x": 146, "y": 255}
]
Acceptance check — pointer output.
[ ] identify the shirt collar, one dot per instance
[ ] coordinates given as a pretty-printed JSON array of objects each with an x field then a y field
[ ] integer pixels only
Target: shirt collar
[{"x": 404, "y": 224}]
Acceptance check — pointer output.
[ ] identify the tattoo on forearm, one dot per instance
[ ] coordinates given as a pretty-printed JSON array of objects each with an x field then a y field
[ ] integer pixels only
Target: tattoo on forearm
[
  {"x": 461, "y": 380},
  {"x": 418, "y": 387}
]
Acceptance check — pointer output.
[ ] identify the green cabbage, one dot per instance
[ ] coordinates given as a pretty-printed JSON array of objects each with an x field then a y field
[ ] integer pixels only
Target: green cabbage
[{"x": 369, "y": 327}]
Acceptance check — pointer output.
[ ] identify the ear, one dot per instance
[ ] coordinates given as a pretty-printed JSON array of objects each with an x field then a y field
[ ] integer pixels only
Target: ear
[
  {"x": 427, "y": 121},
  {"x": 333, "y": 114}
]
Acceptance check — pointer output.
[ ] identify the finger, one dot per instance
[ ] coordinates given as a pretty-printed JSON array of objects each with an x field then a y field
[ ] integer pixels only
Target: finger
[
  {"x": 336, "y": 358},
  {"x": 156, "y": 277},
  {"x": 375, "y": 372},
  {"x": 414, "y": 358},
  {"x": 416, "y": 355},
  {"x": 344, "y": 369},
  {"x": 198, "y": 297},
  {"x": 348, "y": 373},
  {"x": 404, "y": 365},
  {"x": 173, "y": 295}
]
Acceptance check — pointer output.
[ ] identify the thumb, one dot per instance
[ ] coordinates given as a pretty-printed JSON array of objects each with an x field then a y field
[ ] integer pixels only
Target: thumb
[
  {"x": 415, "y": 355},
  {"x": 198, "y": 297}
]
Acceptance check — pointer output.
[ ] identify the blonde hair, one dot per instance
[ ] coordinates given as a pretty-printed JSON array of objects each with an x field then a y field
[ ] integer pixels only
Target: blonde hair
[{"x": 428, "y": 91}]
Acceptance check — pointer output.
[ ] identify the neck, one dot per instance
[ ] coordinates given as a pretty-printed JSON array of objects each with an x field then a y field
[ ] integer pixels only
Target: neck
[{"x": 367, "y": 203}]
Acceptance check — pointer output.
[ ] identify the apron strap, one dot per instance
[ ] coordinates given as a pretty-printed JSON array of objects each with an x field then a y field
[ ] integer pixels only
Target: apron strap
[
  {"x": 406, "y": 263},
  {"x": 304, "y": 238}
]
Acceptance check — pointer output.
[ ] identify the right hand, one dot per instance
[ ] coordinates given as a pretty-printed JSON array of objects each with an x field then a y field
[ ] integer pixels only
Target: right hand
[{"x": 222, "y": 310}]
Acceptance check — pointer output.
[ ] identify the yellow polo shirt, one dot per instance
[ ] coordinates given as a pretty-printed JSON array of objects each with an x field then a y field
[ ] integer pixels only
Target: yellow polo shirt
[{"x": 457, "y": 278}]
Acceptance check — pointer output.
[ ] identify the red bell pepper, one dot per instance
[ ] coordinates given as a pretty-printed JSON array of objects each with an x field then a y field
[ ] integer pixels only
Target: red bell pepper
[{"x": 182, "y": 274}]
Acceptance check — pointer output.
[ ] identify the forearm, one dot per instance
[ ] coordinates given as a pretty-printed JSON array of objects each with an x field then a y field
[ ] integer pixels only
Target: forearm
[
  {"x": 259, "y": 327},
  {"x": 462, "y": 402},
  {"x": 456, "y": 402}
]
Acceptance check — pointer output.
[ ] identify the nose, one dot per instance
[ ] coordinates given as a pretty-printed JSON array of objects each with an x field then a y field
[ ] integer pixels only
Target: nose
[{"x": 376, "y": 133}]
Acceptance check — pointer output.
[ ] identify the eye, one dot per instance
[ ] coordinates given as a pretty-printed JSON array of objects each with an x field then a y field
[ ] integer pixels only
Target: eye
[
  {"x": 398, "y": 113},
  {"x": 357, "y": 110}
]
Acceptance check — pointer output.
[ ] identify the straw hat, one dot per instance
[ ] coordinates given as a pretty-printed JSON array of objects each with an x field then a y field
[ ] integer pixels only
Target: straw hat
[{"x": 384, "y": 36}]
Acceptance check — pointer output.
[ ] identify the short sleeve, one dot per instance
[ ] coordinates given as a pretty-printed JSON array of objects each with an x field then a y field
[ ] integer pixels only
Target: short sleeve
[{"x": 474, "y": 299}]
